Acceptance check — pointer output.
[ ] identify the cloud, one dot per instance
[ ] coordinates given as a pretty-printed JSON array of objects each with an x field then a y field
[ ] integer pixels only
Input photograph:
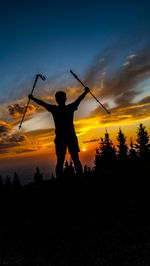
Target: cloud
[
  {"x": 4, "y": 127},
  {"x": 124, "y": 115},
  {"x": 123, "y": 84},
  {"x": 145, "y": 100},
  {"x": 17, "y": 139},
  {"x": 17, "y": 110},
  {"x": 119, "y": 82},
  {"x": 40, "y": 132},
  {"x": 10, "y": 141},
  {"x": 120, "y": 85},
  {"x": 126, "y": 63},
  {"x": 131, "y": 56},
  {"x": 91, "y": 140},
  {"x": 25, "y": 150},
  {"x": 30, "y": 141}
]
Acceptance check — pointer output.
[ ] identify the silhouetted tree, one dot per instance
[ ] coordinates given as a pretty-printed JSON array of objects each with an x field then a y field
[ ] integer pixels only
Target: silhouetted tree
[
  {"x": 1, "y": 183},
  {"x": 105, "y": 153},
  {"x": 89, "y": 169},
  {"x": 8, "y": 183},
  {"x": 16, "y": 182},
  {"x": 132, "y": 152},
  {"x": 69, "y": 168},
  {"x": 143, "y": 145},
  {"x": 52, "y": 176},
  {"x": 85, "y": 169},
  {"x": 122, "y": 147},
  {"x": 38, "y": 177}
]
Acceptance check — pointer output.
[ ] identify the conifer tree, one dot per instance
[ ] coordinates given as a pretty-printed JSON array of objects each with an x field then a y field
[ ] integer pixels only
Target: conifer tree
[
  {"x": 105, "y": 153},
  {"x": 1, "y": 183},
  {"x": 38, "y": 177},
  {"x": 122, "y": 146},
  {"x": 143, "y": 145},
  {"x": 8, "y": 183},
  {"x": 52, "y": 176},
  {"x": 107, "y": 148},
  {"x": 69, "y": 168},
  {"x": 85, "y": 169},
  {"x": 132, "y": 152},
  {"x": 16, "y": 182}
]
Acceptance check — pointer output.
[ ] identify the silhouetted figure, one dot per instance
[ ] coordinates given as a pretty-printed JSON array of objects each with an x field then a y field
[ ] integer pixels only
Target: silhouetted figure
[{"x": 64, "y": 128}]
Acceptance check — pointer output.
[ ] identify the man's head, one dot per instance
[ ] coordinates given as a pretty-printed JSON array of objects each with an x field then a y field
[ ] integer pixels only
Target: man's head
[{"x": 60, "y": 97}]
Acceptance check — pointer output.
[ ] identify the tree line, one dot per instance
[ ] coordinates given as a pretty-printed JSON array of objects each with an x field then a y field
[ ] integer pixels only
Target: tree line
[
  {"x": 107, "y": 156},
  {"x": 14, "y": 183}
]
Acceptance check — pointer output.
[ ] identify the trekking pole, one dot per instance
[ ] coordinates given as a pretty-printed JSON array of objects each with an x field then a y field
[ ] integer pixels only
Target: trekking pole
[
  {"x": 36, "y": 78},
  {"x": 76, "y": 77}
]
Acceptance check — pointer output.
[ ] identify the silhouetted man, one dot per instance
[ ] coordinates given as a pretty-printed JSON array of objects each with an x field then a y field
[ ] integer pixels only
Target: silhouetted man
[{"x": 64, "y": 128}]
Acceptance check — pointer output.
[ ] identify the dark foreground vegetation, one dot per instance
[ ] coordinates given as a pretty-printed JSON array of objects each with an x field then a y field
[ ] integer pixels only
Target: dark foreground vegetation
[
  {"x": 99, "y": 218},
  {"x": 90, "y": 220}
]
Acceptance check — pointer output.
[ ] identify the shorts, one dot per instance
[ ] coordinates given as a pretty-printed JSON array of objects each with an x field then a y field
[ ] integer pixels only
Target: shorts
[{"x": 61, "y": 145}]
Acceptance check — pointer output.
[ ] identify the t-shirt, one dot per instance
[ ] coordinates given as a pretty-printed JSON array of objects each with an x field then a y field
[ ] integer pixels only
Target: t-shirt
[{"x": 63, "y": 119}]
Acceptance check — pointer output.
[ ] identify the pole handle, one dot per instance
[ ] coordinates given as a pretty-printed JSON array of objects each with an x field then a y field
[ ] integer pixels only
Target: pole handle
[{"x": 36, "y": 78}]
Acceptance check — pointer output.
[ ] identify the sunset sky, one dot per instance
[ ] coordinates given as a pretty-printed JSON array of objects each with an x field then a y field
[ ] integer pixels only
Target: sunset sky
[{"x": 106, "y": 43}]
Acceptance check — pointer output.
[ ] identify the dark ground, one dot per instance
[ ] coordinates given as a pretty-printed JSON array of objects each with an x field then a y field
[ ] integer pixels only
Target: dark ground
[{"x": 91, "y": 220}]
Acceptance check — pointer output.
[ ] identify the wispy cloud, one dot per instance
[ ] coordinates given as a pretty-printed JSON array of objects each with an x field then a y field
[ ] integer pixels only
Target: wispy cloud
[
  {"x": 91, "y": 140},
  {"x": 121, "y": 85},
  {"x": 10, "y": 141},
  {"x": 4, "y": 127},
  {"x": 123, "y": 82},
  {"x": 145, "y": 100},
  {"x": 26, "y": 150},
  {"x": 131, "y": 56}
]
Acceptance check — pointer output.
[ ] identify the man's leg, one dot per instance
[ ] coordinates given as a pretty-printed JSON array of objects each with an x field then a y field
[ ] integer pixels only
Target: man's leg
[
  {"x": 60, "y": 163},
  {"x": 77, "y": 163}
]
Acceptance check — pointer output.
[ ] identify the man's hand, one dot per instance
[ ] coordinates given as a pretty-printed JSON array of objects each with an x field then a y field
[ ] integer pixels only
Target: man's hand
[
  {"x": 87, "y": 89},
  {"x": 30, "y": 96}
]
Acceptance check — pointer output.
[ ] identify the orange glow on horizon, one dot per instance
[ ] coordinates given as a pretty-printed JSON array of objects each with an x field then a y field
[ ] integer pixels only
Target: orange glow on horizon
[{"x": 38, "y": 134}]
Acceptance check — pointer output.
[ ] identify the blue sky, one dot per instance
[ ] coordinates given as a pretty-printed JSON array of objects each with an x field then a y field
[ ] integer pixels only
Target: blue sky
[{"x": 53, "y": 36}]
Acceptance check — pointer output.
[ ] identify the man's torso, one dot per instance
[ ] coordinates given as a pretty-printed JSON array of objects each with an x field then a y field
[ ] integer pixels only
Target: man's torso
[{"x": 63, "y": 119}]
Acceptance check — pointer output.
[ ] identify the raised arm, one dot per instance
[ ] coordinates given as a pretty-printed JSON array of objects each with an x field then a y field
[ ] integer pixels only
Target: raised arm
[
  {"x": 81, "y": 97},
  {"x": 45, "y": 105}
]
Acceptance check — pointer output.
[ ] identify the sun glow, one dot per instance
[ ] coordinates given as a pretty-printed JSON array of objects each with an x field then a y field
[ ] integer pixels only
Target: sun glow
[{"x": 83, "y": 149}]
